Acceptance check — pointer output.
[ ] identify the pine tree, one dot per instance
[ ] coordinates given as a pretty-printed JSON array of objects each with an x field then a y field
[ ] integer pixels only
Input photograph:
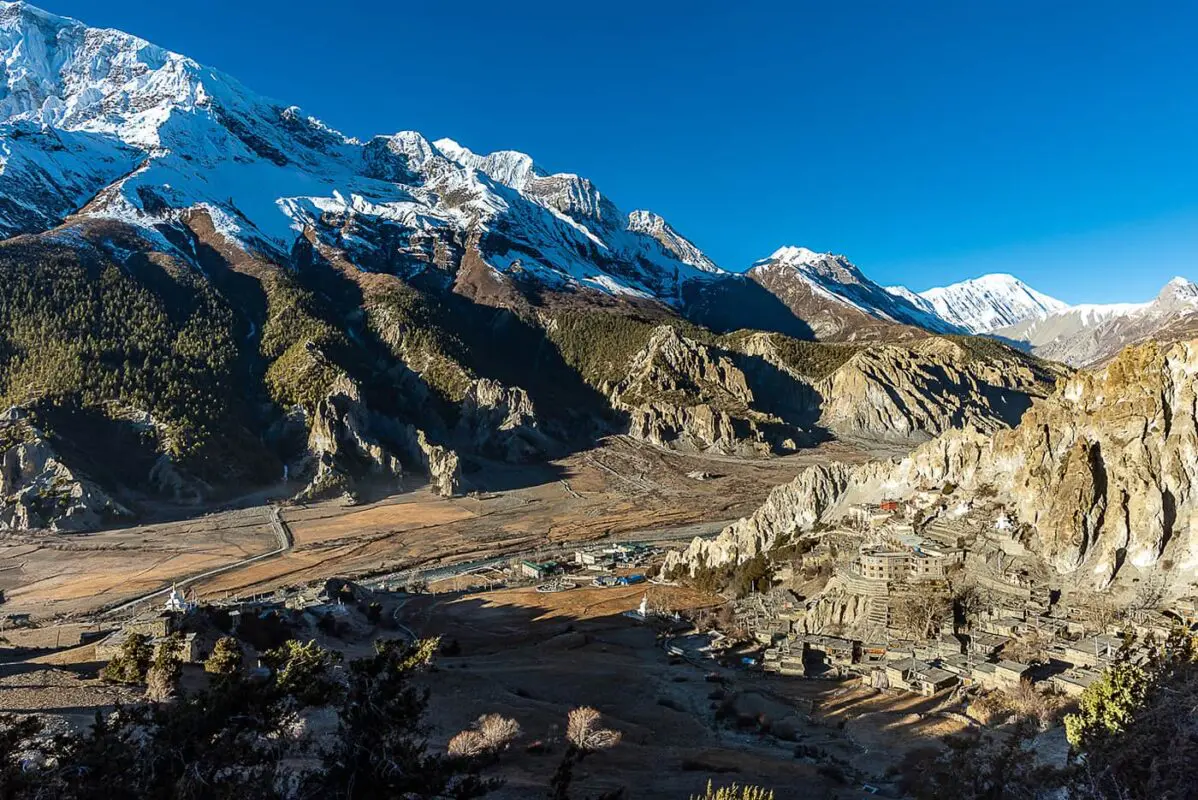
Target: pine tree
[
  {"x": 226, "y": 658},
  {"x": 131, "y": 664}
]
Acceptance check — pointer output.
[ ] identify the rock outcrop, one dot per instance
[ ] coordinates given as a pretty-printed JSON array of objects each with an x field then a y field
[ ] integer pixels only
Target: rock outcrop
[
  {"x": 340, "y": 446},
  {"x": 500, "y": 421},
  {"x": 764, "y": 395},
  {"x": 684, "y": 394},
  {"x": 38, "y": 490},
  {"x": 1104, "y": 472},
  {"x": 347, "y": 442},
  {"x": 441, "y": 464},
  {"x": 922, "y": 390}
]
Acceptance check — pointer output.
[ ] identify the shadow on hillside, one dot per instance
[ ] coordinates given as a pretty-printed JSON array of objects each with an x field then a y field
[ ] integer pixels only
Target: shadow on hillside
[
  {"x": 681, "y": 720},
  {"x": 777, "y": 392},
  {"x": 1018, "y": 344},
  {"x": 736, "y": 303},
  {"x": 493, "y": 343}
]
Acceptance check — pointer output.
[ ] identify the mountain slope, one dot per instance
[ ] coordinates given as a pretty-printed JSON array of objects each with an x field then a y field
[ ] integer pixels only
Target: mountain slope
[
  {"x": 984, "y": 304},
  {"x": 147, "y": 132},
  {"x": 1092, "y": 334},
  {"x": 836, "y": 299}
]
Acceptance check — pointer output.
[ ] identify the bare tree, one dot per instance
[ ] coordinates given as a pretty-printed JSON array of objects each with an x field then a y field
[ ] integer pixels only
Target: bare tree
[
  {"x": 967, "y": 604},
  {"x": 583, "y": 737},
  {"x": 920, "y": 614},
  {"x": 583, "y": 731},
  {"x": 1151, "y": 592},
  {"x": 490, "y": 734}
]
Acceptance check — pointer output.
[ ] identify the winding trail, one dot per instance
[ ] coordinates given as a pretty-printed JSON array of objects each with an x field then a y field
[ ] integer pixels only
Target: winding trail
[{"x": 285, "y": 541}]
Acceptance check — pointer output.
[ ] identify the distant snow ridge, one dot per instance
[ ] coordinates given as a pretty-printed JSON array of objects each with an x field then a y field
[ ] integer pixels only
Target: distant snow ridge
[
  {"x": 100, "y": 123},
  {"x": 984, "y": 304},
  {"x": 1085, "y": 335},
  {"x": 836, "y": 278}
]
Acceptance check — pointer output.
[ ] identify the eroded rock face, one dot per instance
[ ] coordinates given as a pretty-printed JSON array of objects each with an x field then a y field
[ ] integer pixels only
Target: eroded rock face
[
  {"x": 836, "y": 609},
  {"x": 1104, "y": 471},
  {"x": 920, "y": 391},
  {"x": 37, "y": 490},
  {"x": 684, "y": 394},
  {"x": 500, "y": 421},
  {"x": 347, "y": 442},
  {"x": 441, "y": 464},
  {"x": 790, "y": 509},
  {"x": 340, "y": 445}
]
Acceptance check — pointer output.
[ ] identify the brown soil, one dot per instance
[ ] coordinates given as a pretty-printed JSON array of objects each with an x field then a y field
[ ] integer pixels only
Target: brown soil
[{"x": 621, "y": 489}]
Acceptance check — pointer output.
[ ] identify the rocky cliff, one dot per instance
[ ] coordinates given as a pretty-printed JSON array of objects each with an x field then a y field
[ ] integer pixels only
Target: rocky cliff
[
  {"x": 928, "y": 387},
  {"x": 500, "y": 421},
  {"x": 1103, "y": 471},
  {"x": 37, "y": 490},
  {"x": 346, "y": 444},
  {"x": 758, "y": 392},
  {"x": 685, "y": 394}
]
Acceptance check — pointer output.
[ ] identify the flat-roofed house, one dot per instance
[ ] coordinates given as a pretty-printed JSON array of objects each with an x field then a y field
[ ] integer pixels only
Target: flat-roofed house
[
  {"x": 918, "y": 676},
  {"x": 1073, "y": 682},
  {"x": 1092, "y": 651}
]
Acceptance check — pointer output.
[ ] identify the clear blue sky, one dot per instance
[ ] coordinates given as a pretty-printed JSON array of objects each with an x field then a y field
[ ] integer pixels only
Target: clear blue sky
[{"x": 928, "y": 141}]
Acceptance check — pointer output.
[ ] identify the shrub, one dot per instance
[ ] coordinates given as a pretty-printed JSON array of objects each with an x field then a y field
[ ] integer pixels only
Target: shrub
[
  {"x": 1022, "y": 702},
  {"x": 583, "y": 731},
  {"x": 490, "y": 734},
  {"x": 162, "y": 679},
  {"x": 131, "y": 664},
  {"x": 1108, "y": 705},
  {"x": 735, "y": 792},
  {"x": 304, "y": 671}
]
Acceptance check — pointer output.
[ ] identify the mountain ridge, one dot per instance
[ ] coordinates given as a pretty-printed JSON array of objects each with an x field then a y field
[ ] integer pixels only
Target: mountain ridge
[
  {"x": 985, "y": 303},
  {"x": 1091, "y": 334}
]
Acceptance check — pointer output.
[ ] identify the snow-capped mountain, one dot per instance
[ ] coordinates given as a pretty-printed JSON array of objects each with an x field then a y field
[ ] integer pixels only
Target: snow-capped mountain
[
  {"x": 835, "y": 298},
  {"x": 1083, "y": 335},
  {"x": 103, "y": 124},
  {"x": 97, "y": 124},
  {"x": 984, "y": 304}
]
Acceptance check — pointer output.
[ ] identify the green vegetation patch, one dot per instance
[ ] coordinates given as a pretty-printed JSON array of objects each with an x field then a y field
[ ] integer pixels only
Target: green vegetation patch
[
  {"x": 599, "y": 345},
  {"x": 298, "y": 343},
  {"x": 815, "y": 360},
  {"x": 412, "y": 326},
  {"x": 77, "y": 329}
]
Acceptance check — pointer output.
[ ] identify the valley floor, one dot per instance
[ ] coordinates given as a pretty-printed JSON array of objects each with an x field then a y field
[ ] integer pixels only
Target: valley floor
[{"x": 622, "y": 489}]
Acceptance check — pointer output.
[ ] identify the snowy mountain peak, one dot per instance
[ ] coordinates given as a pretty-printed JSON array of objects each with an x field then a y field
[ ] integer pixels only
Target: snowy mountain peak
[
  {"x": 99, "y": 123},
  {"x": 1179, "y": 289},
  {"x": 834, "y": 277},
  {"x": 60, "y": 73},
  {"x": 1089, "y": 334},
  {"x": 509, "y": 167},
  {"x": 796, "y": 256},
  {"x": 821, "y": 268},
  {"x": 986, "y": 303},
  {"x": 650, "y": 224}
]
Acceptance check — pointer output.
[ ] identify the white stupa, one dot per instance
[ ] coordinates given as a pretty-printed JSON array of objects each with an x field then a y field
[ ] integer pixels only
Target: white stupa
[{"x": 177, "y": 602}]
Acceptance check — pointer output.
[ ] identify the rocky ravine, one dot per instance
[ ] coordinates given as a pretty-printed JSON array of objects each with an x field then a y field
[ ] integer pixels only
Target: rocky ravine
[{"x": 1104, "y": 471}]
